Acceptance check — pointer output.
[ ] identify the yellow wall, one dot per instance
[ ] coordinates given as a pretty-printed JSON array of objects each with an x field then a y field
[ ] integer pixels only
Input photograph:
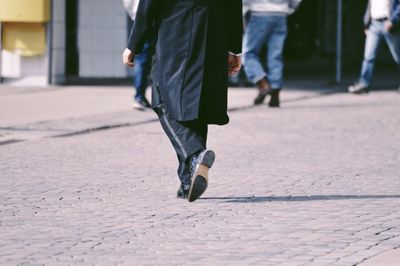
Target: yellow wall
[
  {"x": 24, "y": 10},
  {"x": 27, "y": 39},
  {"x": 23, "y": 25}
]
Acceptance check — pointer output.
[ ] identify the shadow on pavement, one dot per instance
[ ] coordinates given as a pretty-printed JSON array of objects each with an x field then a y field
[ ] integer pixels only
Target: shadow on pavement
[
  {"x": 334, "y": 106},
  {"x": 256, "y": 199}
]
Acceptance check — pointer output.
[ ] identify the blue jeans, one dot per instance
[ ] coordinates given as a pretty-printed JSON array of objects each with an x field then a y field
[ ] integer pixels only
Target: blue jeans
[
  {"x": 376, "y": 33},
  {"x": 141, "y": 71},
  {"x": 265, "y": 32}
]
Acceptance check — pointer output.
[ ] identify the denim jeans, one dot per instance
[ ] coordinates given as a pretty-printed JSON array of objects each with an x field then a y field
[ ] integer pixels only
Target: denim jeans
[
  {"x": 265, "y": 32},
  {"x": 376, "y": 33},
  {"x": 141, "y": 71}
]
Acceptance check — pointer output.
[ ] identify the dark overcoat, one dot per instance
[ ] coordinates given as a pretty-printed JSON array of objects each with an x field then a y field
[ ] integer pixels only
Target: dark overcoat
[{"x": 193, "y": 38}]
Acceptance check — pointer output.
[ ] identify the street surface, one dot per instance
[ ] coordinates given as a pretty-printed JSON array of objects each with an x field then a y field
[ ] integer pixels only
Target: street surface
[{"x": 87, "y": 180}]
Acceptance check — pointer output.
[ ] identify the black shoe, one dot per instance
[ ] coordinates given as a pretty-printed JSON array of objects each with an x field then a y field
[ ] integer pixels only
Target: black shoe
[
  {"x": 141, "y": 104},
  {"x": 183, "y": 191},
  {"x": 199, "y": 167},
  {"x": 274, "y": 101},
  {"x": 261, "y": 96}
]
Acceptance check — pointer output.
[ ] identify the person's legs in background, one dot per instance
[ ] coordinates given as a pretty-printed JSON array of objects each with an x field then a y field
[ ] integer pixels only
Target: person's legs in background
[
  {"x": 275, "y": 45},
  {"x": 140, "y": 77},
  {"x": 372, "y": 41},
  {"x": 393, "y": 42},
  {"x": 254, "y": 39}
]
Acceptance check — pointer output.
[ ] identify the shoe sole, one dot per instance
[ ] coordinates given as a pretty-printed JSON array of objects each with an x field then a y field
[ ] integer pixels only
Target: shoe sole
[
  {"x": 361, "y": 91},
  {"x": 200, "y": 180},
  {"x": 139, "y": 108}
]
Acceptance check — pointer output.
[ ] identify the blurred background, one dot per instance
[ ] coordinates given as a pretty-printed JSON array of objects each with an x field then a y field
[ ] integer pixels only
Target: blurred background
[{"x": 81, "y": 41}]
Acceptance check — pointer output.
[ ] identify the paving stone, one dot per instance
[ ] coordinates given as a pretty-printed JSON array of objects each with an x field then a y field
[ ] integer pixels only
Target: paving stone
[{"x": 315, "y": 182}]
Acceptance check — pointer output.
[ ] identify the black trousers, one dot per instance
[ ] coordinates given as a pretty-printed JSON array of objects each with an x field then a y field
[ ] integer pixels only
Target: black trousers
[{"x": 187, "y": 138}]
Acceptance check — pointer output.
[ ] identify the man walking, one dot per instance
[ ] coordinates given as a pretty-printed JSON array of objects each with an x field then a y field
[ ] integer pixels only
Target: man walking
[
  {"x": 142, "y": 63},
  {"x": 198, "y": 45},
  {"x": 382, "y": 21},
  {"x": 266, "y": 29}
]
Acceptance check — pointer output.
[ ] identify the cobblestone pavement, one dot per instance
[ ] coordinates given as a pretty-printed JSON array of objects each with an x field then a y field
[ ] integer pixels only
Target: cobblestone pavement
[{"x": 316, "y": 182}]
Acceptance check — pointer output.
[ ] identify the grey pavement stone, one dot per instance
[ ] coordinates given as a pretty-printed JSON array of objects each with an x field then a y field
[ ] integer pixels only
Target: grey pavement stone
[
  {"x": 388, "y": 258},
  {"x": 313, "y": 183}
]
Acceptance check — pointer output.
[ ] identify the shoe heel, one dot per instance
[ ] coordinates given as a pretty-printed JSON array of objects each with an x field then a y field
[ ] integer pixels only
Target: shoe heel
[{"x": 208, "y": 158}]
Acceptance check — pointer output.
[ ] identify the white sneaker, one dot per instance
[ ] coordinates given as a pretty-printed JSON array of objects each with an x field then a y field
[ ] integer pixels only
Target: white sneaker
[
  {"x": 141, "y": 104},
  {"x": 358, "y": 88}
]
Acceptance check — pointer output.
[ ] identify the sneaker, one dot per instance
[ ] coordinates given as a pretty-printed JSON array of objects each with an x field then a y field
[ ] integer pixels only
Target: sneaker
[
  {"x": 199, "y": 166},
  {"x": 358, "y": 88},
  {"x": 274, "y": 101},
  {"x": 183, "y": 191},
  {"x": 141, "y": 104}
]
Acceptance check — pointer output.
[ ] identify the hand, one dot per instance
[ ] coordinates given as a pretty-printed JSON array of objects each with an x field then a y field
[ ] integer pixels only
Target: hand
[
  {"x": 234, "y": 64},
  {"x": 128, "y": 57},
  {"x": 388, "y": 26}
]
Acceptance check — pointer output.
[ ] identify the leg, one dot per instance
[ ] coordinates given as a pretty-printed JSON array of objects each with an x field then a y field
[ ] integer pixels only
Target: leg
[
  {"x": 184, "y": 176},
  {"x": 141, "y": 73},
  {"x": 186, "y": 138},
  {"x": 254, "y": 39},
  {"x": 371, "y": 48},
  {"x": 275, "y": 47},
  {"x": 189, "y": 142},
  {"x": 199, "y": 163},
  {"x": 393, "y": 42},
  {"x": 275, "y": 44}
]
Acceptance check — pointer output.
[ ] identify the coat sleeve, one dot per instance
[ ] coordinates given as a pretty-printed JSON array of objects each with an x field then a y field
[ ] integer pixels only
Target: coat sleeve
[
  {"x": 234, "y": 25},
  {"x": 395, "y": 17},
  {"x": 144, "y": 26}
]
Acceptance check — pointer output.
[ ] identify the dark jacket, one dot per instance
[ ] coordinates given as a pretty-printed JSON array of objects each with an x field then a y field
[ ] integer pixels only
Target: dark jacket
[
  {"x": 394, "y": 16},
  {"x": 193, "y": 38}
]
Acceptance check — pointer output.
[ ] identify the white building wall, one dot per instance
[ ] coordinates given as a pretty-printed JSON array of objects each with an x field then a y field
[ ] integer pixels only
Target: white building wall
[
  {"x": 21, "y": 70},
  {"x": 102, "y": 36}
]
